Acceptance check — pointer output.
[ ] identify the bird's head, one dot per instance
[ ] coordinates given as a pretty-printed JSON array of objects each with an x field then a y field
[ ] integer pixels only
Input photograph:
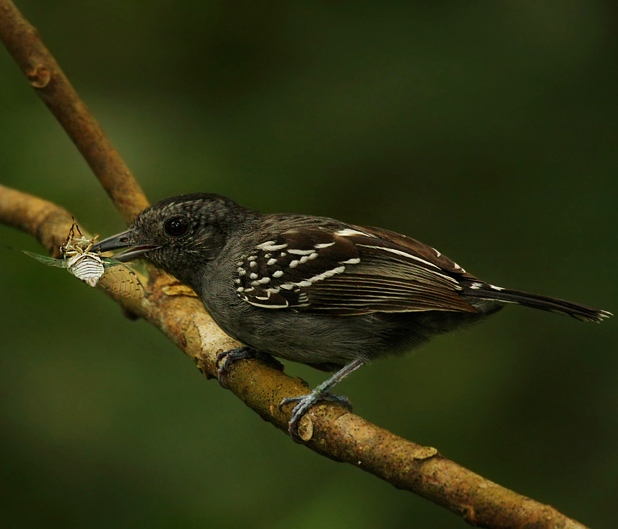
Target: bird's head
[{"x": 179, "y": 234}]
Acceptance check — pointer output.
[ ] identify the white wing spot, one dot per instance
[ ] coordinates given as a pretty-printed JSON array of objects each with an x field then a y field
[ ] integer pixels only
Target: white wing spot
[
  {"x": 328, "y": 273},
  {"x": 263, "y": 298},
  {"x": 280, "y": 306},
  {"x": 348, "y": 232},
  {"x": 314, "y": 279},
  {"x": 300, "y": 252},
  {"x": 401, "y": 253},
  {"x": 270, "y": 246}
]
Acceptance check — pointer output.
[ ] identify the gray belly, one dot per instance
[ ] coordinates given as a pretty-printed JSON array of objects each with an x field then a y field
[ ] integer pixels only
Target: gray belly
[{"x": 318, "y": 338}]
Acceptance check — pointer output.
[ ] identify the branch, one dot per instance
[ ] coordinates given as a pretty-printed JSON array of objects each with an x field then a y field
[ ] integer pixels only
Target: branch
[
  {"x": 52, "y": 86},
  {"x": 327, "y": 429}
]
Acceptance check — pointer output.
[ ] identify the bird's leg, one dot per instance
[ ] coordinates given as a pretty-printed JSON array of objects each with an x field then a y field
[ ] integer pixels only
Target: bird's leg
[
  {"x": 227, "y": 358},
  {"x": 321, "y": 392}
]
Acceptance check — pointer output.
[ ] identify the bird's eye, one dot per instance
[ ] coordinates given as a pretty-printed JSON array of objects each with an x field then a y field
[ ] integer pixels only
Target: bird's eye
[{"x": 176, "y": 227}]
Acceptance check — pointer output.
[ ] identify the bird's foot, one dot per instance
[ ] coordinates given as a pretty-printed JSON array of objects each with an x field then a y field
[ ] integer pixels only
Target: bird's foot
[
  {"x": 304, "y": 403},
  {"x": 227, "y": 358}
]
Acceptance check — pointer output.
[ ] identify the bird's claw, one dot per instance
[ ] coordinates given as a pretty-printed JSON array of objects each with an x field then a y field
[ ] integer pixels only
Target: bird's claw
[
  {"x": 226, "y": 358},
  {"x": 304, "y": 403}
]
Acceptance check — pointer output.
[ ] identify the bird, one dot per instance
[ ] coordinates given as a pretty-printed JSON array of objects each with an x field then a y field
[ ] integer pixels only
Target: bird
[{"x": 314, "y": 290}]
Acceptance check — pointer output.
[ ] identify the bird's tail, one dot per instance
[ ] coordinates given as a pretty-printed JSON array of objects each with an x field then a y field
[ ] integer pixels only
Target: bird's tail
[{"x": 536, "y": 301}]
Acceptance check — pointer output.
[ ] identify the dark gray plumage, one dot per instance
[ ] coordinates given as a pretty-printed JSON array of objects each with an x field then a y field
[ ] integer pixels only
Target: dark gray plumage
[{"x": 313, "y": 289}]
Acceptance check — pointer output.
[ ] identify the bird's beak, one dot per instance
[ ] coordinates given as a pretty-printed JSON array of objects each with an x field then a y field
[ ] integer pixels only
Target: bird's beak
[{"x": 126, "y": 239}]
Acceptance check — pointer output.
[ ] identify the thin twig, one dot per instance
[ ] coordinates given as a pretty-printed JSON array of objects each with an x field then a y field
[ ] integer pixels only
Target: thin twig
[{"x": 52, "y": 86}]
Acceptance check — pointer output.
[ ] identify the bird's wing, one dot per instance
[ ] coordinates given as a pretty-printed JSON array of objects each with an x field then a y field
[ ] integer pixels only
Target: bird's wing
[{"x": 349, "y": 270}]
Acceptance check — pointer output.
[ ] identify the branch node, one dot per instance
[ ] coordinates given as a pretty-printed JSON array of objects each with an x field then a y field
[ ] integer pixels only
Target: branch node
[
  {"x": 305, "y": 428},
  {"x": 39, "y": 76},
  {"x": 469, "y": 515}
]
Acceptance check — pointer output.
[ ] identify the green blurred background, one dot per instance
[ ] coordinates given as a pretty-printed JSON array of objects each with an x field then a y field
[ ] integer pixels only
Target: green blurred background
[{"x": 487, "y": 129}]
